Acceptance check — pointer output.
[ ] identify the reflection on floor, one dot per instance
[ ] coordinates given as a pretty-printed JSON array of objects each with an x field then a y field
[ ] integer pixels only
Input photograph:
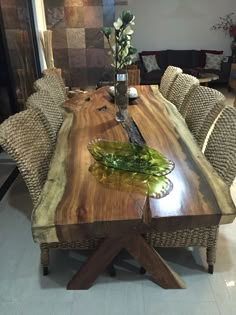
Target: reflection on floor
[{"x": 23, "y": 289}]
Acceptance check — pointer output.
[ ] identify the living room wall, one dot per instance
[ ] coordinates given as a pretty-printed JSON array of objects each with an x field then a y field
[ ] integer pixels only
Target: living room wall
[{"x": 179, "y": 24}]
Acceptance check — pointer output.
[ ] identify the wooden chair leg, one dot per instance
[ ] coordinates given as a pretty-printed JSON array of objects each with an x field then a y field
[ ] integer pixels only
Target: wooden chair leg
[
  {"x": 44, "y": 259},
  {"x": 211, "y": 258},
  {"x": 142, "y": 270},
  {"x": 111, "y": 270}
]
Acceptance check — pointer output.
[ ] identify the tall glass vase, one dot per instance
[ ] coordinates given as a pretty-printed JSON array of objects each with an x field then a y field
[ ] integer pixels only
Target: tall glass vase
[{"x": 121, "y": 94}]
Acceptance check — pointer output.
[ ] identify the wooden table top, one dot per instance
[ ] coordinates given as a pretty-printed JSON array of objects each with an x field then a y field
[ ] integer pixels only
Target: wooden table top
[{"x": 74, "y": 205}]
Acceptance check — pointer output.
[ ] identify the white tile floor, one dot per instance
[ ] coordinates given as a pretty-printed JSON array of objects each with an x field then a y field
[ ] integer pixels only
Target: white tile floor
[{"x": 23, "y": 290}]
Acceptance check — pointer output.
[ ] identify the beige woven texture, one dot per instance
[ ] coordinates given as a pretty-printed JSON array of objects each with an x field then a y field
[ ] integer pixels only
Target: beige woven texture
[
  {"x": 201, "y": 107},
  {"x": 52, "y": 84},
  {"x": 43, "y": 101},
  {"x": 204, "y": 236},
  {"x": 183, "y": 84},
  {"x": 221, "y": 145},
  {"x": 26, "y": 138},
  {"x": 168, "y": 79},
  {"x": 208, "y": 123},
  {"x": 57, "y": 73}
]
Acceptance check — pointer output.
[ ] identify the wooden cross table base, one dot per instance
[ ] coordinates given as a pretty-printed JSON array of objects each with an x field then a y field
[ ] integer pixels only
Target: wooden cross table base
[{"x": 139, "y": 249}]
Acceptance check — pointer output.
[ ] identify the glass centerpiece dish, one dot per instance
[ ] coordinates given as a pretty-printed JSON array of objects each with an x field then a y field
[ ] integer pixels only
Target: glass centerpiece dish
[
  {"x": 130, "y": 157},
  {"x": 132, "y": 182}
]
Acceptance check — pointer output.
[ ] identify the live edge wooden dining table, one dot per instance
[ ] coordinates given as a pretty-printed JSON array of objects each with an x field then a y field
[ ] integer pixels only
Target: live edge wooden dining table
[{"x": 75, "y": 206}]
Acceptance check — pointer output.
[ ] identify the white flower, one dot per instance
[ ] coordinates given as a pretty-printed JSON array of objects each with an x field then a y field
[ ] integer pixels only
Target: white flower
[
  {"x": 132, "y": 21},
  {"x": 128, "y": 44},
  {"x": 125, "y": 51},
  {"x": 118, "y": 23},
  {"x": 128, "y": 30}
]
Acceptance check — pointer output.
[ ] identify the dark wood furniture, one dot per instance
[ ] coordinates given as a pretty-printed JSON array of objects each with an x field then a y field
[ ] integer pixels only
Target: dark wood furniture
[
  {"x": 232, "y": 80},
  {"x": 205, "y": 78},
  {"x": 133, "y": 75},
  {"x": 74, "y": 206}
]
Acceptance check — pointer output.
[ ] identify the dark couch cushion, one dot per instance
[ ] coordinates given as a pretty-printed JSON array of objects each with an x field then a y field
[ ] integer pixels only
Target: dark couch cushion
[
  {"x": 153, "y": 77},
  {"x": 180, "y": 58},
  {"x": 203, "y": 55},
  {"x": 196, "y": 58},
  {"x": 162, "y": 59}
]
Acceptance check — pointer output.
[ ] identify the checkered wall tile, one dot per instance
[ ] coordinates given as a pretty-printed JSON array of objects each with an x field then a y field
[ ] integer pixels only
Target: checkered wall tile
[{"x": 79, "y": 46}]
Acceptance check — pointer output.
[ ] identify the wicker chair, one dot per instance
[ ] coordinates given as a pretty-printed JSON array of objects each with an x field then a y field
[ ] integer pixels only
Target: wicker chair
[
  {"x": 57, "y": 74},
  {"x": 201, "y": 106},
  {"x": 27, "y": 138},
  {"x": 221, "y": 152},
  {"x": 43, "y": 102},
  {"x": 221, "y": 146},
  {"x": 52, "y": 84},
  {"x": 168, "y": 79},
  {"x": 183, "y": 85}
]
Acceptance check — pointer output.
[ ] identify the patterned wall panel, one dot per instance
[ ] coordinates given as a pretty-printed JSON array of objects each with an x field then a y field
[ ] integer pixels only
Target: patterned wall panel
[
  {"x": 17, "y": 28},
  {"x": 78, "y": 45}
]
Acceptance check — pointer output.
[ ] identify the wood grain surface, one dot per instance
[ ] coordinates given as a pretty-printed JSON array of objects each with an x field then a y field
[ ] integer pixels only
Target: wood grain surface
[{"x": 86, "y": 208}]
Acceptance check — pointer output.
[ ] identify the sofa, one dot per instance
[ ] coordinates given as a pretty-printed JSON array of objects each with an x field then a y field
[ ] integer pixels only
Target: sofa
[{"x": 191, "y": 61}]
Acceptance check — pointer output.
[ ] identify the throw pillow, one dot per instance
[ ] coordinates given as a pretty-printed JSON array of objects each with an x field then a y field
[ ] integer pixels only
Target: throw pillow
[
  {"x": 203, "y": 55},
  {"x": 150, "y": 63},
  {"x": 213, "y": 61}
]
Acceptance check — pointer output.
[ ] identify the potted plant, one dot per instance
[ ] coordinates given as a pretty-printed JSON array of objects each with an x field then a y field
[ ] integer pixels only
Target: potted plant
[
  {"x": 122, "y": 55},
  {"x": 228, "y": 26}
]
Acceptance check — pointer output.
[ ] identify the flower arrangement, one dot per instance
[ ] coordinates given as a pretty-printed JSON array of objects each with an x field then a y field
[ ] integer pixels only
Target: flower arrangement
[
  {"x": 227, "y": 25},
  {"x": 123, "y": 52}
]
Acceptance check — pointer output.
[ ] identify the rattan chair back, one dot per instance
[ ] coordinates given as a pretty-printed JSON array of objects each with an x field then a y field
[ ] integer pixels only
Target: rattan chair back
[
  {"x": 26, "y": 138},
  {"x": 221, "y": 146},
  {"x": 168, "y": 79},
  {"x": 44, "y": 102},
  {"x": 51, "y": 84},
  {"x": 201, "y": 95},
  {"x": 201, "y": 106},
  {"x": 183, "y": 85},
  {"x": 57, "y": 73}
]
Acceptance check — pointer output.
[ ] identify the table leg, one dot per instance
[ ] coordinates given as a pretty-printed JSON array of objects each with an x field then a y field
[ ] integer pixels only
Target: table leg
[
  {"x": 139, "y": 249},
  {"x": 148, "y": 257},
  {"x": 96, "y": 264}
]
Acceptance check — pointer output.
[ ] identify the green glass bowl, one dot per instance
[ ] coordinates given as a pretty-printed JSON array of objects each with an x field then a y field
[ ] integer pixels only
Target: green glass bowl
[
  {"x": 130, "y": 157},
  {"x": 147, "y": 185}
]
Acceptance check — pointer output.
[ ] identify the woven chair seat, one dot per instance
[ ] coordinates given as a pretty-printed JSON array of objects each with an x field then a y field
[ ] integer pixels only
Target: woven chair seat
[
  {"x": 200, "y": 237},
  {"x": 183, "y": 85},
  {"x": 27, "y": 138},
  {"x": 168, "y": 79},
  {"x": 44, "y": 102}
]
